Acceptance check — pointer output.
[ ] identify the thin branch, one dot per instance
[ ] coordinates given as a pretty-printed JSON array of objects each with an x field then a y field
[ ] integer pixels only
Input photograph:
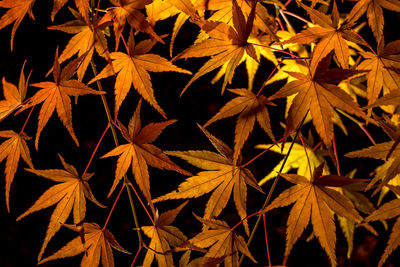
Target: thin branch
[
  {"x": 272, "y": 189},
  {"x": 95, "y": 149}
]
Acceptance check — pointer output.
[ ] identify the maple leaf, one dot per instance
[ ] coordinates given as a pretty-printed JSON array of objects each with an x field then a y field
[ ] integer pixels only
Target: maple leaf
[
  {"x": 70, "y": 195},
  {"x": 17, "y": 10},
  {"x": 159, "y": 10},
  {"x": 313, "y": 198},
  {"x": 128, "y": 10},
  {"x": 317, "y": 94},
  {"x": 13, "y": 96},
  {"x": 380, "y": 151},
  {"x": 381, "y": 69},
  {"x": 133, "y": 68},
  {"x": 251, "y": 108},
  {"x": 227, "y": 44},
  {"x": 374, "y": 13},
  {"x": 223, "y": 12},
  {"x": 220, "y": 176},
  {"x": 89, "y": 36},
  {"x": 222, "y": 241},
  {"x": 201, "y": 261},
  {"x": 82, "y": 5},
  {"x": 330, "y": 36},
  {"x": 387, "y": 211},
  {"x": 260, "y": 45},
  {"x": 140, "y": 152},
  {"x": 98, "y": 245},
  {"x": 163, "y": 236},
  {"x": 297, "y": 159},
  {"x": 55, "y": 96},
  {"x": 361, "y": 203},
  {"x": 13, "y": 148}
]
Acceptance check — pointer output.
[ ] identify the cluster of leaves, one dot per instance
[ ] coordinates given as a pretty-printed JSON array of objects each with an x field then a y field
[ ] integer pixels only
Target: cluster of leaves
[{"x": 327, "y": 70}]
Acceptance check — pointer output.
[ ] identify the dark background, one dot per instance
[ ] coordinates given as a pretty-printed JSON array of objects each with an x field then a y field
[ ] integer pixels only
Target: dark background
[{"x": 22, "y": 240}]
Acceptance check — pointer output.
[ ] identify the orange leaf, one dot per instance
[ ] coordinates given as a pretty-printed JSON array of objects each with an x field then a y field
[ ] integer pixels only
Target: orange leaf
[
  {"x": 128, "y": 10},
  {"x": 387, "y": 211},
  {"x": 133, "y": 68},
  {"x": 13, "y": 96},
  {"x": 139, "y": 153},
  {"x": 89, "y": 36},
  {"x": 313, "y": 198},
  {"x": 69, "y": 195},
  {"x": 15, "y": 13},
  {"x": 222, "y": 241},
  {"x": 381, "y": 69},
  {"x": 380, "y": 151},
  {"x": 98, "y": 245},
  {"x": 330, "y": 37},
  {"x": 251, "y": 108},
  {"x": 162, "y": 237},
  {"x": 374, "y": 14},
  {"x": 317, "y": 94},
  {"x": 13, "y": 148},
  {"x": 220, "y": 176},
  {"x": 55, "y": 96},
  {"x": 227, "y": 44}
]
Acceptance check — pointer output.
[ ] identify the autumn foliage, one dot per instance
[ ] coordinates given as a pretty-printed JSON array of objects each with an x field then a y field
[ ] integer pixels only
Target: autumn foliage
[{"x": 200, "y": 119}]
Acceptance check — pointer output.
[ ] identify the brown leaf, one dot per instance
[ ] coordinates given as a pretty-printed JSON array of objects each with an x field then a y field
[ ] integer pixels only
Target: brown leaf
[
  {"x": 329, "y": 37},
  {"x": 380, "y": 151}
]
